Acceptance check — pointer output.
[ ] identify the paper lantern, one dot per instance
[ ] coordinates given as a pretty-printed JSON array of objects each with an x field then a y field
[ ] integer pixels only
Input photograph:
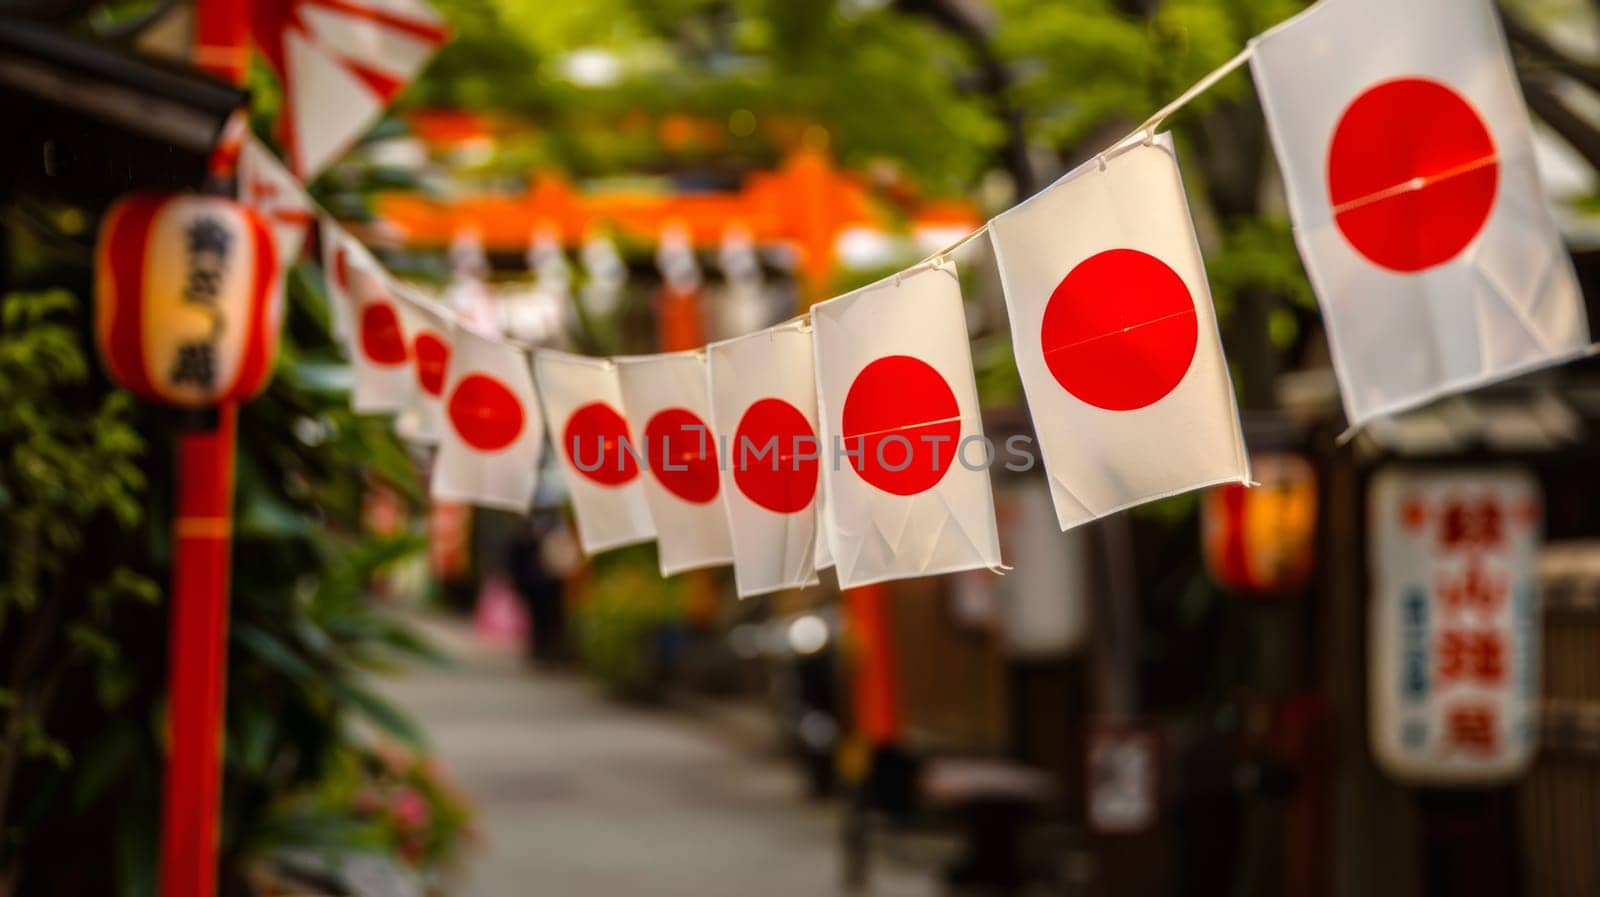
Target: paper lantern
[
  {"x": 187, "y": 302},
  {"x": 1454, "y": 631},
  {"x": 1260, "y": 541}
]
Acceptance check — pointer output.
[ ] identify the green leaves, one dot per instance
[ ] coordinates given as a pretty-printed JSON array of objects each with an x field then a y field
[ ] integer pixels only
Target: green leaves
[{"x": 58, "y": 471}]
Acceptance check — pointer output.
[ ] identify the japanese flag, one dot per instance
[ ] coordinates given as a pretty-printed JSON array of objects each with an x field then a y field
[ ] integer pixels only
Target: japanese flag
[
  {"x": 583, "y": 407},
  {"x": 341, "y": 62},
  {"x": 384, "y": 380},
  {"x": 1116, "y": 339},
  {"x": 427, "y": 326},
  {"x": 341, "y": 254},
  {"x": 1411, "y": 181},
  {"x": 905, "y": 464},
  {"x": 268, "y": 187},
  {"x": 669, "y": 410},
  {"x": 489, "y": 451},
  {"x": 764, "y": 406}
]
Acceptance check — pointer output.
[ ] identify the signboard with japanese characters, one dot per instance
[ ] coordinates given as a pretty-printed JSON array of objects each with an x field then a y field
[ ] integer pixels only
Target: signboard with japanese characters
[
  {"x": 1454, "y": 649},
  {"x": 1124, "y": 772}
]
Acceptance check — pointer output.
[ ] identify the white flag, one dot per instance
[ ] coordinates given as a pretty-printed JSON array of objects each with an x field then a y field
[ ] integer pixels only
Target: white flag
[
  {"x": 270, "y": 189},
  {"x": 764, "y": 405},
  {"x": 1116, "y": 339},
  {"x": 379, "y": 348},
  {"x": 583, "y": 408},
  {"x": 428, "y": 326},
  {"x": 1406, "y": 150},
  {"x": 905, "y": 463},
  {"x": 341, "y": 62},
  {"x": 489, "y": 453},
  {"x": 668, "y": 409},
  {"x": 340, "y": 254}
]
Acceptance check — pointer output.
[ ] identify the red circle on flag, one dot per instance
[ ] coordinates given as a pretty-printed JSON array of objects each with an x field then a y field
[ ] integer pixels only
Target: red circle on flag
[
  {"x": 781, "y": 480},
  {"x": 1412, "y": 174},
  {"x": 433, "y": 357},
  {"x": 1120, "y": 331},
  {"x": 683, "y": 454},
  {"x": 594, "y": 434},
  {"x": 899, "y": 397},
  {"x": 486, "y": 414},
  {"x": 381, "y": 338}
]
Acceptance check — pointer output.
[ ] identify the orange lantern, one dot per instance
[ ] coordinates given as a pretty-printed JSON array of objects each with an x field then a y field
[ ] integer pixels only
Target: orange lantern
[
  {"x": 187, "y": 298},
  {"x": 1261, "y": 540}
]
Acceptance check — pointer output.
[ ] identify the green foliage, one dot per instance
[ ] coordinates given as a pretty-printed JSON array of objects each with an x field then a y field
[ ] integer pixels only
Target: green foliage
[
  {"x": 620, "y": 616},
  {"x": 306, "y": 637},
  {"x": 59, "y": 472},
  {"x": 69, "y": 476},
  {"x": 884, "y": 85},
  {"x": 1089, "y": 63},
  {"x": 84, "y": 486},
  {"x": 1258, "y": 254},
  {"x": 384, "y": 799}
]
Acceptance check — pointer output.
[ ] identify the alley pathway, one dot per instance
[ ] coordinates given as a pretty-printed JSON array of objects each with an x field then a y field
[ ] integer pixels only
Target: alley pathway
[{"x": 579, "y": 796}]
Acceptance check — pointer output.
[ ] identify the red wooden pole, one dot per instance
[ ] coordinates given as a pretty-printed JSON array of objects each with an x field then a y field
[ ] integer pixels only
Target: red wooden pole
[
  {"x": 222, "y": 38},
  {"x": 202, "y": 541},
  {"x": 197, "y": 657},
  {"x": 875, "y": 676}
]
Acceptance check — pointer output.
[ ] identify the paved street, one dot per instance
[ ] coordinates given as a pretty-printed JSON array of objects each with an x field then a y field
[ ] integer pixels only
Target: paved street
[{"x": 582, "y": 797}]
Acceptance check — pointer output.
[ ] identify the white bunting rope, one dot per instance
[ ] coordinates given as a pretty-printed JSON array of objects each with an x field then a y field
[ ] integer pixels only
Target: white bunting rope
[{"x": 1147, "y": 129}]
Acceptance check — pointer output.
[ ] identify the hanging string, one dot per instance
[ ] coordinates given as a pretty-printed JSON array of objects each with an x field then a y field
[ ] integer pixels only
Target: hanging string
[
  {"x": 1147, "y": 129},
  {"x": 1142, "y": 135}
]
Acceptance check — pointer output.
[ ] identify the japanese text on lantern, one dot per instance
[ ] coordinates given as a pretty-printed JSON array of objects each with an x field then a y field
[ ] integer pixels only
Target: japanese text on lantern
[
  {"x": 206, "y": 245},
  {"x": 1454, "y": 621}
]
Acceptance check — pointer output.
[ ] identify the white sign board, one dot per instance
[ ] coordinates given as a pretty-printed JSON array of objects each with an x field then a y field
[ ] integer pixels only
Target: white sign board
[
  {"x": 1123, "y": 765},
  {"x": 1454, "y": 637}
]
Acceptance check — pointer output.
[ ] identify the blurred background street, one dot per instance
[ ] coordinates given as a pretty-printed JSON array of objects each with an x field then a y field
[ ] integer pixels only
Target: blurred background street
[
  {"x": 421, "y": 693},
  {"x": 579, "y": 794}
]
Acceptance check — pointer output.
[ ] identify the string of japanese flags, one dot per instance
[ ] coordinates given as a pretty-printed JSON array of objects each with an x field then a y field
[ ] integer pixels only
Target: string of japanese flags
[{"x": 852, "y": 437}]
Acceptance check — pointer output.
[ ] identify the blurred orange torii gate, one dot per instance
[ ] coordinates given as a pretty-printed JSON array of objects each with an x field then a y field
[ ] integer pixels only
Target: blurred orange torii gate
[{"x": 806, "y": 203}]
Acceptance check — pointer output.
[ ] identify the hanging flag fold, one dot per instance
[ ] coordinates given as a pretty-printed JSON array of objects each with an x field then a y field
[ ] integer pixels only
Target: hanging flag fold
[
  {"x": 583, "y": 408},
  {"x": 365, "y": 305},
  {"x": 905, "y": 461},
  {"x": 1416, "y": 203},
  {"x": 764, "y": 405},
  {"x": 341, "y": 62},
  {"x": 669, "y": 412},
  {"x": 427, "y": 326},
  {"x": 489, "y": 450},
  {"x": 339, "y": 252},
  {"x": 269, "y": 187},
  {"x": 1115, "y": 337}
]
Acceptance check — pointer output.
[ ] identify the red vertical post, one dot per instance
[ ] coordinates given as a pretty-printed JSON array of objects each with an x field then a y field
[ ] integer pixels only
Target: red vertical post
[
  {"x": 197, "y": 657},
  {"x": 202, "y": 538},
  {"x": 876, "y": 692},
  {"x": 222, "y": 38}
]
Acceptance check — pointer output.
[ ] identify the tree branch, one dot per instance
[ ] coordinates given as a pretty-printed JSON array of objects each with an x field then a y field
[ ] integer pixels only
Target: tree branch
[
  {"x": 973, "y": 22},
  {"x": 1536, "y": 48},
  {"x": 1573, "y": 128}
]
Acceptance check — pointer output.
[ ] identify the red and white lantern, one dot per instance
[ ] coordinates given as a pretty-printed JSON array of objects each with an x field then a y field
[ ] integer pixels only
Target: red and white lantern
[
  {"x": 187, "y": 298},
  {"x": 1261, "y": 541}
]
